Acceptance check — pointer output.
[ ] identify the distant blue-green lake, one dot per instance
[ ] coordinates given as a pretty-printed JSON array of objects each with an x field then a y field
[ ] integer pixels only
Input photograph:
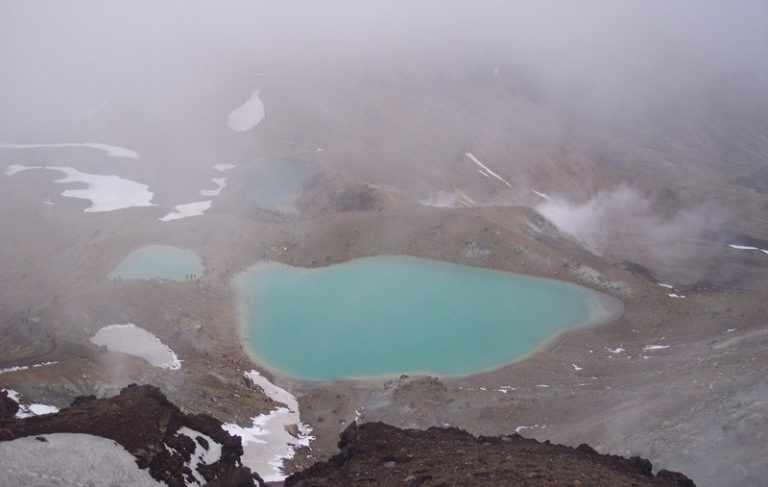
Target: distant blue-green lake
[
  {"x": 388, "y": 315},
  {"x": 159, "y": 262},
  {"x": 275, "y": 182}
]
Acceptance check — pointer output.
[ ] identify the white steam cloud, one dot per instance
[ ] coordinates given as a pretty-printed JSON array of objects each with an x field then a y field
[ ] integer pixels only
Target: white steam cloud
[{"x": 622, "y": 222}]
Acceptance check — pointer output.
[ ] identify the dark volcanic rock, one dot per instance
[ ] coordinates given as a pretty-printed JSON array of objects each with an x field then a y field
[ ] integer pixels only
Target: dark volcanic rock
[
  {"x": 145, "y": 423},
  {"x": 8, "y": 407},
  {"x": 378, "y": 454},
  {"x": 640, "y": 270}
]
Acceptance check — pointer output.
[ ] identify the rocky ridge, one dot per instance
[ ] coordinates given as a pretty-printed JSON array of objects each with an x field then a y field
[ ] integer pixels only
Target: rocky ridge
[
  {"x": 379, "y": 454},
  {"x": 159, "y": 435},
  {"x": 151, "y": 428}
]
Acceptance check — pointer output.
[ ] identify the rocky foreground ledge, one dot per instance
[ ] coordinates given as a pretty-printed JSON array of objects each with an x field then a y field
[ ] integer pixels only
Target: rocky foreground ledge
[
  {"x": 182, "y": 449},
  {"x": 178, "y": 449},
  {"x": 379, "y": 454}
]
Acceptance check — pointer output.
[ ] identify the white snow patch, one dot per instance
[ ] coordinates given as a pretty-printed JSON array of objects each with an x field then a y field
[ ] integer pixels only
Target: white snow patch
[
  {"x": 483, "y": 173},
  {"x": 28, "y": 410},
  {"x": 486, "y": 169},
  {"x": 745, "y": 247},
  {"x": 107, "y": 193},
  {"x": 266, "y": 442},
  {"x": 521, "y": 428},
  {"x": 668, "y": 286},
  {"x": 25, "y": 367},
  {"x": 186, "y": 210},
  {"x": 576, "y": 367},
  {"x": 220, "y": 183},
  {"x": 539, "y": 193},
  {"x": 247, "y": 115},
  {"x": 111, "y": 150},
  {"x": 14, "y": 168},
  {"x": 730, "y": 330},
  {"x": 201, "y": 455},
  {"x": 39, "y": 409},
  {"x": 223, "y": 167},
  {"x": 649, "y": 348},
  {"x": 45, "y": 364},
  {"x": 15, "y": 396},
  {"x": 359, "y": 414},
  {"x": 133, "y": 340},
  {"x": 70, "y": 459},
  {"x": 541, "y": 385},
  {"x": 13, "y": 369},
  {"x": 616, "y": 350},
  {"x": 676, "y": 296}
]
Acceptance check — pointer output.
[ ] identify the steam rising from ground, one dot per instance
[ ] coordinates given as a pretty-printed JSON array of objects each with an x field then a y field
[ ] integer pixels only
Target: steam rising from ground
[{"x": 626, "y": 211}]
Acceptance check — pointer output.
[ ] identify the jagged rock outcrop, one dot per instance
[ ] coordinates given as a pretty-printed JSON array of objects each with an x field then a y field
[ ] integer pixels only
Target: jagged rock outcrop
[
  {"x": 383, "y": 455},
  {"x": 147, "y": 425},
  {"x": 8, "y": 407}
]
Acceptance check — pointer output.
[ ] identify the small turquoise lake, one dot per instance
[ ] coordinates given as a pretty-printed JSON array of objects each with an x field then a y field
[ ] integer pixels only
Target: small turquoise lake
[
  {"x": 275, "y": 182},
  {"x": 159, "y": 262},
  {"x": 389, "y": 315}
]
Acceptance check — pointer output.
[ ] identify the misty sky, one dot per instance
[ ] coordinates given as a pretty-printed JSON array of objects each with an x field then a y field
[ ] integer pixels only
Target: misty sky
[
  {"x": 391, "y": 82},
  {"x": 65, "y": 56}
]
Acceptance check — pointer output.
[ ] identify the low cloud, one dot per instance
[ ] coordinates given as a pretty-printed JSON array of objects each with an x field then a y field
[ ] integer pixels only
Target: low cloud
[{"x": 624, "y": 223}]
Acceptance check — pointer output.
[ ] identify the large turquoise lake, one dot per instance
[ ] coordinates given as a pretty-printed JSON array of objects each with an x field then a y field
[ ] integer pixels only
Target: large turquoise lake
[
  {"x": 159, "y": 262},
  {"x": 390, "y": 315}
]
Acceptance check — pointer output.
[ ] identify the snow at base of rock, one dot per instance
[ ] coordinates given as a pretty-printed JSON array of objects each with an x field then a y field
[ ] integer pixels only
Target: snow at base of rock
[
  {"x": 186, "y": 210},
  {"x": 133, "y": 340},
  {"x": 648, "y": 348},
  {"x": 27, "y": 410},
  {"x": 267, "y": 442}
]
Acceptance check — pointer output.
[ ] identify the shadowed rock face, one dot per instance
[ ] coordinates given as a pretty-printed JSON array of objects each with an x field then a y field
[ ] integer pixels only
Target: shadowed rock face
[
  {"x": 145, "y": 423},
  {"x": 8, "y": 407},
  {"x": 379, "y": 454}
]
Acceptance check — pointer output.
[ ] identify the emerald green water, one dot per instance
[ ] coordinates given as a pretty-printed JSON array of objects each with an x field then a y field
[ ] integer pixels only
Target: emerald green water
[
  {"x": 394, "y": 314},
  {"x": 158, "y": 262},
  {"x": 275, "y": 182}
]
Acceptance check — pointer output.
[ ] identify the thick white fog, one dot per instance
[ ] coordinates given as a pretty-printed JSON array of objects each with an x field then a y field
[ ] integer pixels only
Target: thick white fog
[
  {"x": 557, "y": 98},
  {"x": 161, "y": 73}
]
